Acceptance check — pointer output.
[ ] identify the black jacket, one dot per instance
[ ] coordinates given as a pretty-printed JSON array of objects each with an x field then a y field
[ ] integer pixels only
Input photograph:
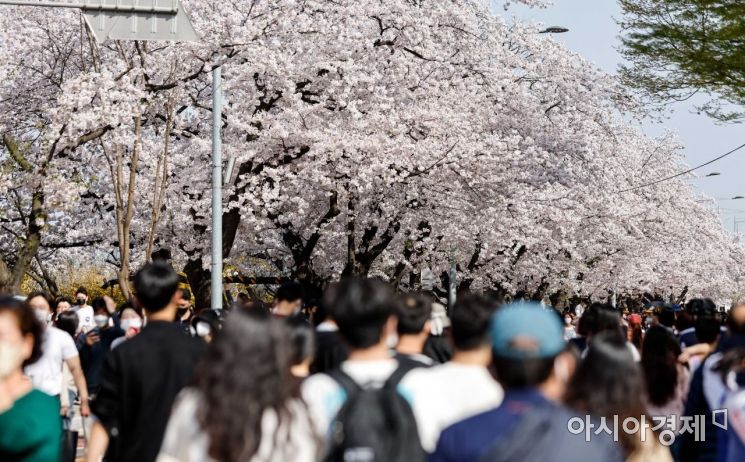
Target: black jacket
[{"x": 139, "y": 382}]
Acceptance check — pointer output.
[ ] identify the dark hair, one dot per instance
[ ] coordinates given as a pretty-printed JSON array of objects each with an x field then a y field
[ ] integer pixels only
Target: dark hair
[
  {"x": 155, "y": 284},
  {"x": 700, "y": 307},
  {"x": 708, "y": 328},
  {"x": 99, "y": 304},
  {"x": 254, "y": 307},
  {"x": 414, "y": 310},
  {"x": 215, "y": 319},
  {"x": 608, "y": 382},
  {"x": 185, "y": 294},
  {"x": 27, "y": 323},
  {"x": 607, "y": 321},
  {"x": 81, "y": 290},
  {"x": 131, "y": 306},
  {"x": 515, "y": 373},
  {"x": 60, "y": 300},
  {"x": 666, "y": 315},
  {"x": 586, "y": 321},
  {"x": 161, "y": 255},
  {"x": 361, "y": 308},
  {"x": 289, "y": 292},
  {"x": 68, "y": 321},
  {"x": 470, "y": 319},
  {"x": 660, "y": 352},
  {"x": 45, "y": 296},
  {"x": 245, "y": 372},
  {"x": 302, "y": 340}
]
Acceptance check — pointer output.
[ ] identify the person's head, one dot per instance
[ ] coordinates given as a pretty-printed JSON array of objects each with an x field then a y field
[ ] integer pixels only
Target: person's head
[
  {"x": 100, "y": 313},
  {"x": 245, "y": 372},
  {"x": 302, "y": 345},
  {"x": 660, "y": 351},
  {"x": 184, "y": 305},
  {"x": 736, "y": 319},
  {"x": 155, "y": 286},
  {"x": 256, "y": 307},
  {"x": 289, "y": 299},
  {"x": 208, "y": 323},
  {"x": 666, "y": 315},
  {"x": 708, "y": 328},
  {"x": 63, "y": 304},
  {"x": 81, "y": 295},
  {"x": 700, "y": 307},
  {"x": 414, "y": 313},
  {"x": 20, "y": 336},
  {"x": 364, "y": 310},
  {"x": 162, "y": 255},
  {"x": 470, "y": 321},
  {"x": 606, "y": 321},
  {"x": 527, "y": 340},
  {"x": 41, "y": 303},
  {"x": 69, "y": 322},
  {"x": 608, "y": 382},
  {"x": 130, "y": 321}
]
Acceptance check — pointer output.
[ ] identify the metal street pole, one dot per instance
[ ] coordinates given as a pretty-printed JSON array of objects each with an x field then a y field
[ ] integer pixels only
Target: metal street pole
[
  {"x": 452, "y": 284},
  {"x": 216, "y": 282}
]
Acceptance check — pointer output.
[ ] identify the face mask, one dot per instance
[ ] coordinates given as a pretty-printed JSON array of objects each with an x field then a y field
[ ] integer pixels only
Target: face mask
[
  {"x": 81, "y": 300},
  {"x": 10, "y": 358},
  {"x": 101, "y": 320},
  {"x": 43, "y": 316},
  {"x": 134, "y": 323},
  {"x": 203, "y": 329},
  {"x": 181, "y": 312}
]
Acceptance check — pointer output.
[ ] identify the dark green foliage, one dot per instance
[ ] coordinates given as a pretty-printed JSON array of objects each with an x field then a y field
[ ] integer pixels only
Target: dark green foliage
[{"x": 678, "y": 48}]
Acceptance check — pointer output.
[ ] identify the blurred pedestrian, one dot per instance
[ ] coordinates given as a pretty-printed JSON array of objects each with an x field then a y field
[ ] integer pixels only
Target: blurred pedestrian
[
  {"x": 58, "y": 348},
  {"x": 609, "y": 384},
  {"x": 463, "y": 387},
  {"x": 244, "y": 405},
  {"x": 533, "y": 365},
  {"x": 141, "y": 378},
  {"x": 30, "y": 426}
]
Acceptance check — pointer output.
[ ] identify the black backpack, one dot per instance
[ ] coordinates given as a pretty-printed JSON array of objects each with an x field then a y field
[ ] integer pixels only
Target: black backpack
[{"x": 374, "y": 424}]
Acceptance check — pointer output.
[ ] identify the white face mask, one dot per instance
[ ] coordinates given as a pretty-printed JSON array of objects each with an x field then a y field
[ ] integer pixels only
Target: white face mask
[
  {"x": 568, "y": 321},
  {"x": 101, "y": 320},
  {"x": 203, "y": 329},
  {"x": 43, "y": 316},
  {"x": 10, "y": 358},
  {"x": 133, "y": 323}
]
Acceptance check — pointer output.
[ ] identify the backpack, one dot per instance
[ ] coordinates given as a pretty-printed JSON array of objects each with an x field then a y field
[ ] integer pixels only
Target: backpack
[{"x": 374, "y": 425}]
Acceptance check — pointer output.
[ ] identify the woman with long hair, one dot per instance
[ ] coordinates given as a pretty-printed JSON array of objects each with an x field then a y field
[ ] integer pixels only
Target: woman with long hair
[
  {"x": 665, "y": 378},
  {"x": 609, "y": 383},
  {"x": 243, "y": 405}
]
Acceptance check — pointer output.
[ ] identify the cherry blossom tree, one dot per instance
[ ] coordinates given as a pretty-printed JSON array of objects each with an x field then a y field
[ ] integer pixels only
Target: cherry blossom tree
[{"x": 369, "y": 138}]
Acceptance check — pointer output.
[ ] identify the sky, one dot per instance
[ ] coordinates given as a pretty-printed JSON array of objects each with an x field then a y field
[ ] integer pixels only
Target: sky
[{"x": 593, "y": 34}]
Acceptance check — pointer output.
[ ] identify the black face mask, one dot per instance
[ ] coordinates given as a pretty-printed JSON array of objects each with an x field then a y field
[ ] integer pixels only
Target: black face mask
[{"x": 181, "y": 312}]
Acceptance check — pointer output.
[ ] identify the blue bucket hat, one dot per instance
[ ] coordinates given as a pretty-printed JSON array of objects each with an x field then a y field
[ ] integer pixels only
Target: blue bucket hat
[{"x": 526, "y": 330}]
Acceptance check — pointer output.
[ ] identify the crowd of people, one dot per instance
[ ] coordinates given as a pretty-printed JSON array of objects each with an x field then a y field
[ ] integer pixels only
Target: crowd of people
[{"x": 367, "y": 375}]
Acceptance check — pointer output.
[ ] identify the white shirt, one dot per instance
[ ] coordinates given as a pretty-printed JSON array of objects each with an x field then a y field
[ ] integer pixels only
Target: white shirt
[
  {"x": 186, "y": 441},
  {"x": 85, "y": 318},
  {"x": 46, "y": 373},
  {"x": 325, "y": 396},
  {"x": 445, "y": 394}
]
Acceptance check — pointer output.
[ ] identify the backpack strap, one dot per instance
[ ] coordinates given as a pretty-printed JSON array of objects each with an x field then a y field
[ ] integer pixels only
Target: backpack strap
[
  {"x": 398, "y": 375},
  {"x": 345, "y": 381}
]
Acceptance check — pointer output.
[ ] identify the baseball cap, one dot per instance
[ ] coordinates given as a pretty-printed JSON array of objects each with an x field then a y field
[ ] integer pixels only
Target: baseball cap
[{"x": 526, "y": 330}]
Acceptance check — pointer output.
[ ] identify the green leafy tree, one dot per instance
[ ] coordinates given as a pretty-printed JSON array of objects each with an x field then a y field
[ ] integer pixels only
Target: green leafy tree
[{"x": 680, "y": 48}]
